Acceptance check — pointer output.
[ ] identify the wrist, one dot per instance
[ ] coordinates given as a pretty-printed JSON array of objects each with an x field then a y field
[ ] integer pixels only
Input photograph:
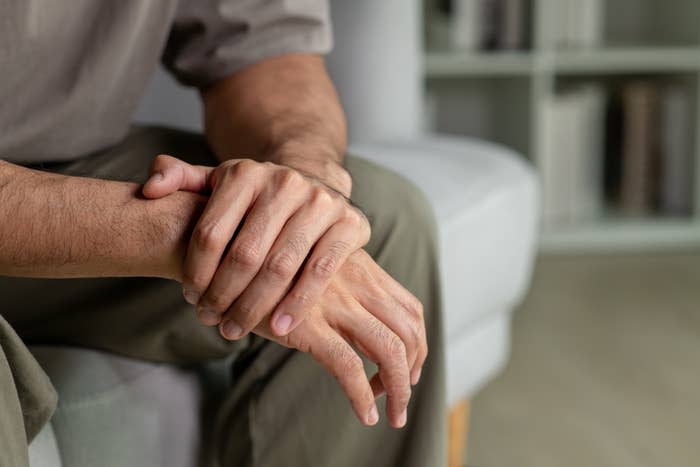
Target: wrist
[
  {"x": 175, "y": 217},
  {"x": 317, "y": 161}
]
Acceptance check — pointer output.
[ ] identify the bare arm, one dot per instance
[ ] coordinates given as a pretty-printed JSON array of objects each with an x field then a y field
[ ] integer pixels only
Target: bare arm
[
  {"x": 283, "y": 110},
  {"x": 56, "y": 226}
]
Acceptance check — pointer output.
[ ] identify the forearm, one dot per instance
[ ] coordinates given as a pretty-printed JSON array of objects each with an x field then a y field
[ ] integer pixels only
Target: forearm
[
  {"x": 56, "y": 226},
  {"x": 284, "y": 110}
]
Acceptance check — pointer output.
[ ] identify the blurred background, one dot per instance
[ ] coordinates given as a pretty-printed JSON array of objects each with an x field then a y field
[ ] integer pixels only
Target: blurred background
[{"x": 601, "y": 96}]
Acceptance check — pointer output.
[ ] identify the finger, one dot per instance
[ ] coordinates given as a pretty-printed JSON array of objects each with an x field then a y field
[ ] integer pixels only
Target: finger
[
  {"x": 244, "y": 259},
  {"x": 377, "y": 386},
  {"x": 329, "y": 254},
  {"x": 402, "y": 312},
  {"x": 216, "y": 226},
  {"x": 393, "y": 314},
  {"x": 286, "y": 257},
  {"x": 415, "y": 316},
  {"x": 339, "y": 359},
  {"x": 168, "y": 175},
  {"x": 388, "y": 351}
]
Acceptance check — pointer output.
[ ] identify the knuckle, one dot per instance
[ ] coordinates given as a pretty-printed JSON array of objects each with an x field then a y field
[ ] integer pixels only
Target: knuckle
[
  {"x": 195, "y": 281},
  {"x": 282, "y": 265},
  {"x": 227, "y": 168},
  {"x": 378, "y": 330},
  {"x": 343, "y": 359},
  {"x": 298, "y": 244},
  {"x": 418, "y": 329},
  {"x": 415, "y": 339},
  {"x": 399, "y": 390},
  {"x": 288, "y": 178},
  {"x": 246, "y": 255},
  {"x": 244, "y": 170},
  {"x": 217, "y": 302},
  {"x": 243, "y": 165},
  {"x": 418, "y": 341},
  {"x": 245, "y": 315},
  {"x": 403, "y": 396},
  {"x": 351, "y": 364},
  {"x": 396, "y": 349},
  {"x": 365, "y": 230},
  {"x": 302, "y": 298},
  {"x": 326, "y": 265},
  {"x": 365, "y": 235},
  {"x": 244, "y": 310},
  {"x": 352, "y": 216},
  {"x": 414, "y": 307},
  {"x": 209, "y": 236},
  {"x": 320, "y": 198},
  {"x": 359, "y": 223}
]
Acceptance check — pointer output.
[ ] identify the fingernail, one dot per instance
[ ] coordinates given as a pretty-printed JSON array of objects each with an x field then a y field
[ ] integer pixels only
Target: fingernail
[
  {"x": 191, "y": 296},
  {"x": 208, "y": 317},
  {"x": 402, "y": 418},
  {"x": 231, "y": 330},
  {"x": 284, "y": 322},
  {"x": 157, "y": 177},
  {"x": 373, "y": 416}
]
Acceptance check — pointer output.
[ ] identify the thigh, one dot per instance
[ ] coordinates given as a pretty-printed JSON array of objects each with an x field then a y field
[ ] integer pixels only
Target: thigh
[
  {"x": 139, "y": 317},
  {"x": 404, "y": 239}
]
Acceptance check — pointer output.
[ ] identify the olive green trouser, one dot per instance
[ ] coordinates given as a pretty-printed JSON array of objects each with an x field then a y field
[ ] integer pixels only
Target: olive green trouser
[{"x": 282, "y": 408}]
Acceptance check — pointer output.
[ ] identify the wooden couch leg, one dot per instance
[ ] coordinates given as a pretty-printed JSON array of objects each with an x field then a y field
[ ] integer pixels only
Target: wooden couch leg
[{"x": 457, "y": 434}]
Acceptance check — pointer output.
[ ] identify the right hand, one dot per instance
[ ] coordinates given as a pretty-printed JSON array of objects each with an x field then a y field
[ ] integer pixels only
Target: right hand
[
  {"x": 267, "y": 244},
  {"x": 364, "y": 308},
  {"x": 361, "y": 307}
]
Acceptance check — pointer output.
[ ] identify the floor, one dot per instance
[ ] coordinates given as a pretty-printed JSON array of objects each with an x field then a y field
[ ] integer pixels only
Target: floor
[{"x": 605, "y": 368}]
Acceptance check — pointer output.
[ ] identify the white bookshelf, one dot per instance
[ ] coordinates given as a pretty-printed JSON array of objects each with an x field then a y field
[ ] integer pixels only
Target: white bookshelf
[{"x": 499, "y": 95}]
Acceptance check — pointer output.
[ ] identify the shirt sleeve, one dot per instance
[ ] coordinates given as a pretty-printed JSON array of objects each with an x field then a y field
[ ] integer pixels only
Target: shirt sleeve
[{"x": 211, "y": 39}]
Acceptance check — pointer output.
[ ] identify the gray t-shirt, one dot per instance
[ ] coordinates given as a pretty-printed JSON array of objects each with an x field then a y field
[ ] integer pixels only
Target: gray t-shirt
[{"x": 73, "y": 72}]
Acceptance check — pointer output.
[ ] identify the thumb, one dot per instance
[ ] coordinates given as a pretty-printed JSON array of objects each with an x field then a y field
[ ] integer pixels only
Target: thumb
[{"x": 169, "y": 174}]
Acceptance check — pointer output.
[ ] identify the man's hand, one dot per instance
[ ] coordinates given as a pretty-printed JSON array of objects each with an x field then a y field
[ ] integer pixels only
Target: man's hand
[
  {"x": 275, "y": 221},
  {"x": 366, "y": 309},
  {"x": 360, "y": 307}
]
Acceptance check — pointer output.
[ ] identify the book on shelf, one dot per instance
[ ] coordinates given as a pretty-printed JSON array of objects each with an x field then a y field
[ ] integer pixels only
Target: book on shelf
[
  {"x": 649, "y": 150},
  {"x": 476, "y": 25},
  {"x": 490, "y": 22},
  {"x": 676, "y": 191},
  {"x": 514, "y": 19},
  {"x": 629, "y": 149},
  {"x": 640, "y": 150},
  {"x": 571, "y": 160},
  {"x": 466, "y": 24},
  {"x": 576, "y": 23}
]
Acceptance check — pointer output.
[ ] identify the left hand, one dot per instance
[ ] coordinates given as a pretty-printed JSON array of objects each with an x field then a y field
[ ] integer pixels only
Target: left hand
[{"x": 263, "y": 223}]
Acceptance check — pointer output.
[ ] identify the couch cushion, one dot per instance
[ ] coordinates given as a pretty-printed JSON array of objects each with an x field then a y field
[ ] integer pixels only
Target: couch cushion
[
  {"x": 43, "y": 452},
  {"x": 115, "y": 411},
  {"x": 485, "y": 199},
  {"x": 486, "y": 203}
]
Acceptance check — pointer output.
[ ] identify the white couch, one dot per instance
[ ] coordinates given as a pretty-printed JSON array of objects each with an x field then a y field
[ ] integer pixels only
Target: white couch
[{"x": 485, "y": 198}]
